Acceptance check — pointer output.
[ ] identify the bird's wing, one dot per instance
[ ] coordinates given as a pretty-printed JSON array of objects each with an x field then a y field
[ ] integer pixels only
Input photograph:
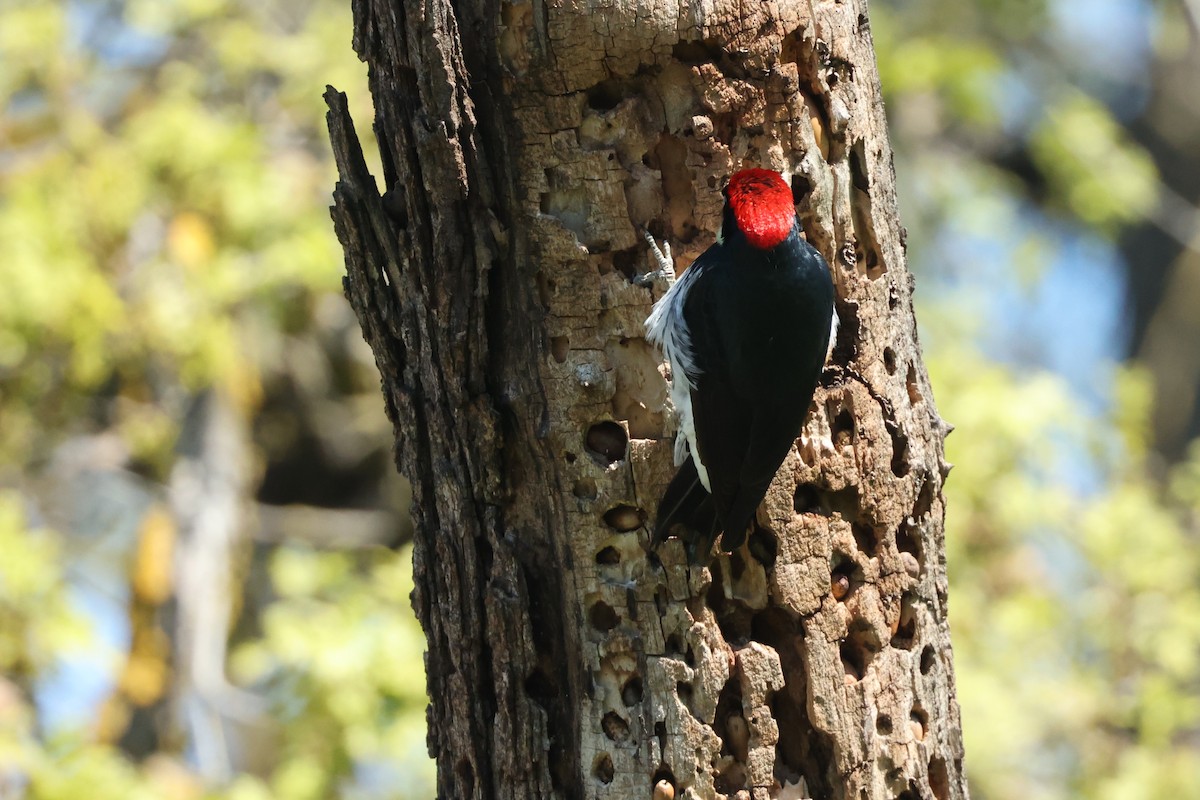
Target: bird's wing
[
  {"x": 720, "y": 423},
  {"x": 686, "y": 502},
  {"x": 772, "y": 434}
]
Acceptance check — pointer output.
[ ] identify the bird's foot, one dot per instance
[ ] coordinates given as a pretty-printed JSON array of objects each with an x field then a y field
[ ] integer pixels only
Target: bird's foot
[{"x": 662, "y": 256}]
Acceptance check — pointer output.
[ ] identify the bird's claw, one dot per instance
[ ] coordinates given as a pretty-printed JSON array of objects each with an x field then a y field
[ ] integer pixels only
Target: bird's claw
[{"x": 666, "y": 266}]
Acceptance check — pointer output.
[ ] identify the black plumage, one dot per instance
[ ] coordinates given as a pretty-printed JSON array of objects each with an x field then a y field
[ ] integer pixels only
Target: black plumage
[{"x": 757, "y": 326}]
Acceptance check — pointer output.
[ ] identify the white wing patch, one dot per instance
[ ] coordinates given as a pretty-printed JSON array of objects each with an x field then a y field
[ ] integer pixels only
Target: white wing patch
[
  {"x": 833, "y": 331},
  {"x": 666, "y": 328}
]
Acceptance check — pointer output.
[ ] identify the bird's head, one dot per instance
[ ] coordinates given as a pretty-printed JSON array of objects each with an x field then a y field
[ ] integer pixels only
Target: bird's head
[{"x": 760, "y": 204}]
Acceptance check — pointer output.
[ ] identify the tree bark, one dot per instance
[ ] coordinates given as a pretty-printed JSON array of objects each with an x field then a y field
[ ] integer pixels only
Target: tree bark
[
  {"x": 524, "y": 144},
  {"x": 1162, "y": 255}
]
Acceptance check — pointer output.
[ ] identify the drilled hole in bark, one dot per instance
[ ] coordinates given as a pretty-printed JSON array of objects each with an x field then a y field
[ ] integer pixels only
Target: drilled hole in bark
[
  {"x": 603, "y": 617},
  {"x": 540, "y": 686},
  {"x": 842, "y": 428},
  {"x": 858, "y": 167},
  {"x": 776, "y": 628},
  {"x": 906, "y": 542},
  {"x": 725, "y": 127},
  {"x": 615, "y": 727},
  {"x": 733, "y": 617},
  {"x": 732, "y": 779},
  {"x": 584, "y": 489},
  {"x": 928, "y": 659},
  {"x": 844, "y": 502},
  {"x": 883, "y": 725},
  {"x": 865, "y": 537},
  {"x": 889, "y": 360},
  {"x": 910, "y": 382},
  {"x": 843, "y": 565},
  {"x": 846, "y": 349},
  {"x": 851, "y": 660},
  {"x": 794, "y": 49},
  {"x": 801, "y": 187},
  {"x": 764, "y": 546},
  {"x": 906, "y": 632},
  {"x": 569, "y": 457},
  {"x": 939, "y": 778},
  {"x": 873, "y": 268},
  {"x": 674, "y": 644},
  {"x": 860, "y": 208},
  {"x": 900, "y": 465},
  {"x": 559, "y": 347},
  {"x": 608, "y": 556},
  {"x": 807, "y": 499},
  {"x": 607, "y": 95},
  {"x": 858, "y": 649},
  {"x": 729, "y": 707},
  {"x": 606, "y": 441},
  {"x": 919, "y": 721},
  {"x": 626, "y": 261},
  {"x": 802, "y": 750},
  {"x": 602, "y": 768},
  {"x": 631, "y": 692},
  {"x": 624, "y": 518},
  {"x": 839, "y": 586},
  {"x": 697, "y": 52},
  {"x": 844, "y": 575},
  {"x": 924, "y": 502}
]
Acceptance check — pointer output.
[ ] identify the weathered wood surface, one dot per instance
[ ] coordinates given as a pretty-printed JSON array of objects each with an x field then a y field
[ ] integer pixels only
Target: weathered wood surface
[{"x": 524, "y": 146}]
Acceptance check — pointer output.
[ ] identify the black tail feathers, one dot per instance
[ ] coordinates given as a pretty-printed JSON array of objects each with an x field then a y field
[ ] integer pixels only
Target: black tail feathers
[
  {"x": 690, "y": 511},
  {"x": 688, "y": 504}
]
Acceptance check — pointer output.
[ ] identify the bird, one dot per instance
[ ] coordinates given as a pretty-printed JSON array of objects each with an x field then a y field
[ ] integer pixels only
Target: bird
[{"x": 746, "y": 330}]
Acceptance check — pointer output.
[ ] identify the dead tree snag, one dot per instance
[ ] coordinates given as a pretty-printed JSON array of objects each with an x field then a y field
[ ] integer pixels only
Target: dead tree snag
[{"x": 524, "y": 147}]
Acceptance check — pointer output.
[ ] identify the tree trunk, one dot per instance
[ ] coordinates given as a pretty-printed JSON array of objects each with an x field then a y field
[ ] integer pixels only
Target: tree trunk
[
  {"x": 1162, "y": 255},
  {"x": 524, "y": 145}
]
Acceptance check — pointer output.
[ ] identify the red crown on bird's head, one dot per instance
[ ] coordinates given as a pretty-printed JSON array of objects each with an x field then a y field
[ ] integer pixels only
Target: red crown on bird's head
[{"x": 762, "y": 206}]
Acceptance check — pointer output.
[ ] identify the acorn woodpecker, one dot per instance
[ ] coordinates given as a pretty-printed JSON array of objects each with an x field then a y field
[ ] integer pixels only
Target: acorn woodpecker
[{"x": 746, "y": 329}]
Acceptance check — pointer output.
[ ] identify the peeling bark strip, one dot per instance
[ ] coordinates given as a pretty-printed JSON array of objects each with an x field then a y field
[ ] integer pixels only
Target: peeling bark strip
[{"x": 524, "y": 146}]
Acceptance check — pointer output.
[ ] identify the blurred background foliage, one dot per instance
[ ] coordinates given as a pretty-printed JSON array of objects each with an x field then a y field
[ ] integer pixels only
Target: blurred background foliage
[
  {"x": 172, "y": 306},
  {"x": 183, "y": 384}
]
